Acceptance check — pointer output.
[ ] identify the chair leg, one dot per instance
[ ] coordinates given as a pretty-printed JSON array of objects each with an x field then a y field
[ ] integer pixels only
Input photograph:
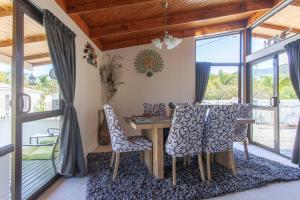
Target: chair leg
[
  {"x": 185, "y": 160},
  {"x": 232, "y": 162},
  {"x": 174, "y": 170},
  {"x": 208, "y": 166},
  {"x": 113, "y": 155},
  {"x": 200, "y": 161},
  {"x": 189, "y": 160},
  {"x": 246, "y": 150},
  {"x": 142, "y": 156},
  {"x": 116, "y": 166}
]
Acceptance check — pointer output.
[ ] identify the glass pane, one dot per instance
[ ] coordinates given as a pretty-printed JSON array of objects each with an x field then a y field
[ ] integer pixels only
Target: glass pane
[
  {"x": 280, "y": 26},
  {"x": 39, "y": 78},
  {"x": 5, "y": 173},
  {"x": 223, "y": 49},
  {"x": 263, "y": 129},
  {"x": 39, "y": 153},
  {"x": 222, "y": 85},
  {"x": 262, "y": 83},
  {"x": 289, "y": 108},
  {"x": 5, "y": 74}
]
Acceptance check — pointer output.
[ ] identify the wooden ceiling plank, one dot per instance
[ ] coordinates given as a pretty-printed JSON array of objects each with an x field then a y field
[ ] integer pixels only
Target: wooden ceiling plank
[
  {"x": 259, "y": 35},
  {"x": 279, "y": 28},
  {"x": 195, "y": 16},
  {"x": 4, "y": 12},
  {"x": 199, "y": 31},
  {"x": 28, "y": 39},
  {"x": 98, "y": 5},
  {"x": 37, "y": 56},
  {"x": 296, "y": 3},
  {"x": 41, "y": 63},
  {"x": 81, "y": 23},
  {"x": 256, "y": 16}
]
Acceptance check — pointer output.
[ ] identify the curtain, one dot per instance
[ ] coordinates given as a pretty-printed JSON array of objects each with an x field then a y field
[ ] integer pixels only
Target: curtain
[
  {"x": 202, "y": 76},
  {"x": 293, "y": 51},
  {"x": 61, "y": 42}
]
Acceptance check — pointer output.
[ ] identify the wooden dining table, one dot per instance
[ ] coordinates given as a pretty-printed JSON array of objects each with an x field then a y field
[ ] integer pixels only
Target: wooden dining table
[{"x": 152, "y": 128}]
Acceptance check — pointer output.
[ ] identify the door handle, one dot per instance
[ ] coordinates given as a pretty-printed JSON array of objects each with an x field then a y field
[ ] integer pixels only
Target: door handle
[
  {"x": 22, "y": 105},
  {"x": 274, "y": 101}
]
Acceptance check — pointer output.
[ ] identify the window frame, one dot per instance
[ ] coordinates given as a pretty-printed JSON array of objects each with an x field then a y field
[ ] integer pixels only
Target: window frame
[{"x": 228, "y": 64}]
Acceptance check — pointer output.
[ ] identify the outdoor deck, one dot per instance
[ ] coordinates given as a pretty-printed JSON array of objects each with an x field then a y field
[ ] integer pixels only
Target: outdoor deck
[{"x": 35, "y": 173}]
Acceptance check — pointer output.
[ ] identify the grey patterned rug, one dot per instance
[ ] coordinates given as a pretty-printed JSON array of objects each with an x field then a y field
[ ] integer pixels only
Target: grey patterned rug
[{"x": 134, "y": 182}]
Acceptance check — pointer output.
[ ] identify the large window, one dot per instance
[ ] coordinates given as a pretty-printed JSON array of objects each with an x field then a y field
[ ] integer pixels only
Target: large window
[{"x": 224, "y": 52}]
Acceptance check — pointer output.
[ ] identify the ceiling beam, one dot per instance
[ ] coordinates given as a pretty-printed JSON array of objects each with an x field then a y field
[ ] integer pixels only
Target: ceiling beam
[
  {"x": 37, "y": 56},
  {"x": 256, "y": 16},
  {"x": 28, "y": 39},
  {"x": 199, "y": 31},
  {"x": 4, "y": 12},
  {"x": 98, "y": 5},
  {"x": 178, "y": 19},
  {"x": 296, "y": 3},
  {"x": 41, "y": 63},
  {"x": 259, "y": 35},
  {"x": 279, "y": 28}
]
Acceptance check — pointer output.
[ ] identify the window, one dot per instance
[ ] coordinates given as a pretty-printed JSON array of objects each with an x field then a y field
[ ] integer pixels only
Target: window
[
  {"x": 224, "y": 52},
  {"x": 7, "y": 103}
]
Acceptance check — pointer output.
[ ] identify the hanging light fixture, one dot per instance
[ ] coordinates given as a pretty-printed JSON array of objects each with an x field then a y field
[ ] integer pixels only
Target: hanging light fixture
[{"x": 167, "y": 41}]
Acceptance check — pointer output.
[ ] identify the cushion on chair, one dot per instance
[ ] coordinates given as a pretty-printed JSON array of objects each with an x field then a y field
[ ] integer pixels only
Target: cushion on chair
[{"x": 37, "y": 152}]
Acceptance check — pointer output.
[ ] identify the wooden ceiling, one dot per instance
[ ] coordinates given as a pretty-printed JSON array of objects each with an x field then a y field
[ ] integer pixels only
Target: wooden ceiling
[
  {"x": 113, "y": 24},
  {"x": 36, "y": 52}
]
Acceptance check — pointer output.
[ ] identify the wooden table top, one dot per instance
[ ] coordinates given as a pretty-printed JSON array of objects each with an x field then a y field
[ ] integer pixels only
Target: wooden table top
[{"x": 140, "y": 123}]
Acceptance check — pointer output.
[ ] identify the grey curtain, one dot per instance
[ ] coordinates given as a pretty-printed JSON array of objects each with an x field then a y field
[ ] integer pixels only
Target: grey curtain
[
  {"x": 293, "y": 51},
  {"x": 202, "y": 76},
  {"x": 61, "y": 42}
]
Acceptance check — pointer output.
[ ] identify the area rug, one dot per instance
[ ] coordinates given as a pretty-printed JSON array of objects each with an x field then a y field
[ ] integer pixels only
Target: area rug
[{"x": 134, "y": 181}]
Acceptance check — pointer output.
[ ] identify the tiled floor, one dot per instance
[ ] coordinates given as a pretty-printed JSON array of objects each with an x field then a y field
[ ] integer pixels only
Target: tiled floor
[{"x": 75, "y": 188}]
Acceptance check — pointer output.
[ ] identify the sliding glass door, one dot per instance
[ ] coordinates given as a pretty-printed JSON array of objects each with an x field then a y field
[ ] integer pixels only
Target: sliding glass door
[
  {"x": 276, "y": 107},
  {"x": 35, "y": 103},
  {"x": 6, "y": 140},
  {"x": 263, "y": 99}
]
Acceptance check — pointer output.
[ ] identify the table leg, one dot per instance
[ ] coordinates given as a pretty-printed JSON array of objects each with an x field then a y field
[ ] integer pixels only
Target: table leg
[
  {"x": 148, "y": 154},
  {"x": 156, "y": 136},
  {"x": 158, "y": 153},
  {"x": 225, "y": 159}
]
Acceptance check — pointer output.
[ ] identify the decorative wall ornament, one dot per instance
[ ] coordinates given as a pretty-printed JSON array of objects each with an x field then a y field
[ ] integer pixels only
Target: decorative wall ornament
[
  {"x": 109, "y": 76},
  {"x": 90, "y": 54},
  {"x": 148, "y": 61}
]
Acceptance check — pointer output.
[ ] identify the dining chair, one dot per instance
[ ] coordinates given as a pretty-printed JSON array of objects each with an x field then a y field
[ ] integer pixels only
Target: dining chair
[
  {"x": 155, "y": 109},
  {"x": 121, "y": 143},
  {"x": 186, "y": 133},
  {"x": 219, "y": 134},
  {"x": 244, "y": 111}
]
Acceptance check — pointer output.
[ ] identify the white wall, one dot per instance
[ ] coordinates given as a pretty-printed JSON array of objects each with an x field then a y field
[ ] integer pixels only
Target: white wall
[
  {"x": 175, "y": 83},
  {"x": 88, "y": 95}
]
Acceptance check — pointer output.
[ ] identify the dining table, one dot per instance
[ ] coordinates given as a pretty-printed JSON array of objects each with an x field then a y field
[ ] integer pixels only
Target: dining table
[{"x": 152, "y": 128}]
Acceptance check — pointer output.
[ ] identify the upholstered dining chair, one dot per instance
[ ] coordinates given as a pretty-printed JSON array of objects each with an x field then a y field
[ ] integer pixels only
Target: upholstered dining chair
[
  {"x": 121, "y": 143},
  {"x": 186, "y": 133},
  {"x": 155, "y": 109},
  {"x": 244, "y": 111},
  {"x": 219, "y": 134}
]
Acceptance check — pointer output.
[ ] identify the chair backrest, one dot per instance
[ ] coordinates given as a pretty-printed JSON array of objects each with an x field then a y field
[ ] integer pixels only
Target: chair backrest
[
  {"x": 219, "y": 128},
  {"x": 186, "y": 133},
  {"x": 155, "y": 109},
  {"x": 243, "y": 111},
  {"x": 115, "y": 131}
]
